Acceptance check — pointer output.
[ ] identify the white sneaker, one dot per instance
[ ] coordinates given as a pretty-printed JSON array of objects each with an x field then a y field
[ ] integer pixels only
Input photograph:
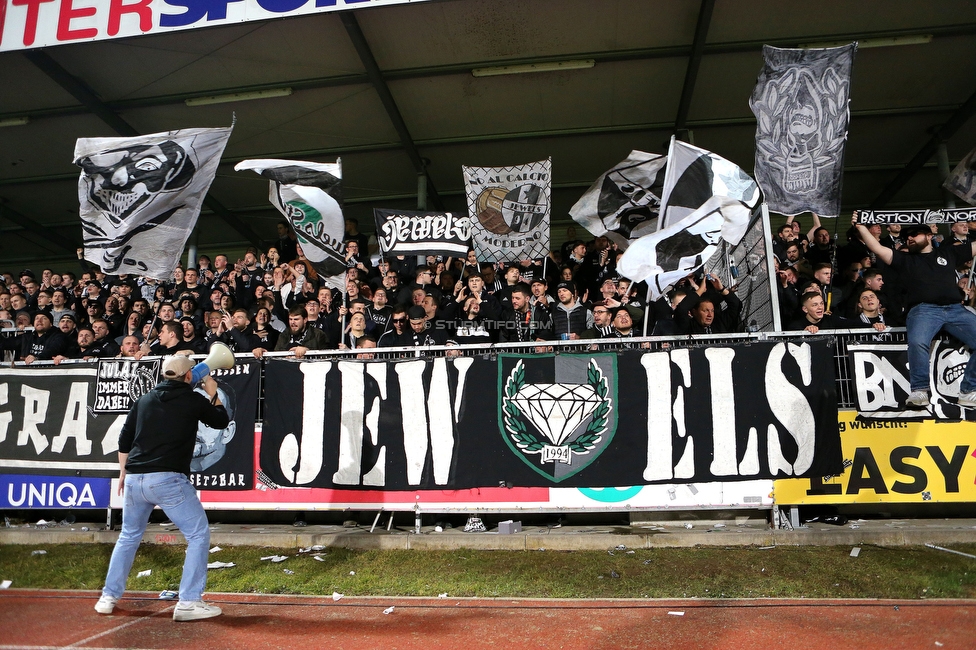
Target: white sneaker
[
  {"x": 194, "y": 611},
  {"x": 967, "y": 399},
  {"x": 919, "y": 399},
  {"x": 105, "y": 604}
]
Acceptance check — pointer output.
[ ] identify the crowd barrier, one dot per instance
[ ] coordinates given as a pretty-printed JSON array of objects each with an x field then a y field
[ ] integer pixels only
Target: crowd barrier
[{"x": 684, "y": 423}]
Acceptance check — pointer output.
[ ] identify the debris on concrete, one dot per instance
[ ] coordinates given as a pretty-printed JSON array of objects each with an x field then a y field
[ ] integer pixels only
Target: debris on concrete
[
  {"x": 389, "y": 610},
  {"x": 168, "y": 595},
  {"x": 336, "y": 596},
  {"x": 676, "y": 613}
]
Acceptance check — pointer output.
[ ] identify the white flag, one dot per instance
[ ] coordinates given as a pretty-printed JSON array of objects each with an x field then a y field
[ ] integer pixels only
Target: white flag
[
  {"x": 962, "y": 180},
  {"x": 309, "y": 194},
  {"x": 140, "y": 197},
  {"x": 695, "y": 175},
  {"x": 623, "y": 203},
  {"x": 668, "y": 255},
  {"x": 509, "y": 209}
]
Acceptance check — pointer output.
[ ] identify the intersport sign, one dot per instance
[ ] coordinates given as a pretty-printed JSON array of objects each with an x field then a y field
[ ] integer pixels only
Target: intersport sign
[{"x": 26, "y": 24}]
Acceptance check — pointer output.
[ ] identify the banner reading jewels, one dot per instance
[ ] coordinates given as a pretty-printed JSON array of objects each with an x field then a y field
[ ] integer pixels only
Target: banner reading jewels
[
  {"x": 599, "y": 420},
  {"x": 403, "y": 232},
  {"x": 881, "y": 382},
  {"x": 49, "y": 424}
]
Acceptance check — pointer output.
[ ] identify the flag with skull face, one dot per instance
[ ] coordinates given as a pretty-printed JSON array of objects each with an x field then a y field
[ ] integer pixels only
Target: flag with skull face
[
  {"x": 140, "y": 197},
  {"x": 801, "y": 106}
]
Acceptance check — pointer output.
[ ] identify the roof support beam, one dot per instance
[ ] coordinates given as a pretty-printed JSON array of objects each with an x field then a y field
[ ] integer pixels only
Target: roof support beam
[
  {"x": 694, "y": 62},
  {"x": 80, "y": 91},
  {"x": 379, "y": 84},
  {"x": 29, "y": 224},
  {"x": 946, "y": 131}
]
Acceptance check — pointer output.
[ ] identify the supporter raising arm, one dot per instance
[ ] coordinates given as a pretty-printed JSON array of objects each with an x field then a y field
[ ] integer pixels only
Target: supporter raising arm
[{"x": 934, "y": 303}]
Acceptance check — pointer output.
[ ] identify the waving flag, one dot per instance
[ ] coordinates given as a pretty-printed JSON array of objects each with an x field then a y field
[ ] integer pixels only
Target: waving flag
[
  {"x": 801, "y": 106},
  {"x": 962, "y": 180},
  {"x": 140, "y": 197},
  {"x": 706, "y": 200},
  {"x": 623, "y": 203},
  {"x": 309, "y": 194}
]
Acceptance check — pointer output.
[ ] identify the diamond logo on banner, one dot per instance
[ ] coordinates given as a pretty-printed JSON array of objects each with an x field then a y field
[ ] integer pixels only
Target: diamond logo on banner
[{"x": 558, "y": 428}]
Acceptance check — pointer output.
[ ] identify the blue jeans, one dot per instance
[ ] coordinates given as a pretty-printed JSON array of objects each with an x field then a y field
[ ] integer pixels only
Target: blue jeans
[
  {"x": 173, "y": 493},
  {"x": 924, "y": 322}
]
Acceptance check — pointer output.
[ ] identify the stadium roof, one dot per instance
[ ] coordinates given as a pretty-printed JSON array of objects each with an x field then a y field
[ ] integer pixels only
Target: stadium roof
[{"x": 391, "y": 90}]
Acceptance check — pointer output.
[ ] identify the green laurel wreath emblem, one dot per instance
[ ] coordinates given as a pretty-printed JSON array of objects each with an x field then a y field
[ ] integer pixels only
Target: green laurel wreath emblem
[{"x": 528, "y": 441}]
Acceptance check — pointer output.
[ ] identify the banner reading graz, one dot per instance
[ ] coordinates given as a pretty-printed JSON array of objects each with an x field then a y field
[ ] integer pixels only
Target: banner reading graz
[
  {"x": 48, "y": 425},
  {"x": 601, "y": 420},
  {"x": 881, "y": 383}
]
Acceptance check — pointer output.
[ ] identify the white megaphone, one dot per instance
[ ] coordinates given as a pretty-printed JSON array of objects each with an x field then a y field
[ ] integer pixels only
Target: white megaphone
[{"x": 220, "y": 357}]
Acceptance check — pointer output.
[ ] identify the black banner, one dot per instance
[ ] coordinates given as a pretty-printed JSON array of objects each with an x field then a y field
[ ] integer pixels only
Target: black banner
[
  {"x": 224, "y": 459},
  {"x": 403, "y": 232},
  {"x": 915, "y": 217},
  {"x": 767, "y": 410},
  {"x": 882, "y": 384},
  {"x": 121, "y": 382},
  {"x": 49, "y": 424}
]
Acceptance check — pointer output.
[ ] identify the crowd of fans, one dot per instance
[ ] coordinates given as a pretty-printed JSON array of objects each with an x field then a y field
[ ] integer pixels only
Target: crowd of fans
[{"x": 275, "y": 301}]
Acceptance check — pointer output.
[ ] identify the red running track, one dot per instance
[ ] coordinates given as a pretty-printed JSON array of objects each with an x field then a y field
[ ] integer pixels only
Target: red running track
[{"x": 59, "y": 619}]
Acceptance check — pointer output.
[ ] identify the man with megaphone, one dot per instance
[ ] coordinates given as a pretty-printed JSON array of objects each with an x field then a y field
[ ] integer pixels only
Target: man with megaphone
[{"x": 156, "y": 446}]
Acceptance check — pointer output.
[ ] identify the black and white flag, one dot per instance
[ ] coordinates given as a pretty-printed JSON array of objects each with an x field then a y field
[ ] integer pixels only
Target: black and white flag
[
  {"x": 509, "y": 209},
  {"x": 695, "y": 175},
  {"x": 706, "y": 200},
  {"x": 309, "y": 194},
  {"x": 140, "y": 197},
  {"x": 801, "y": 105},
  {"x": 623, "y": 203},
  {"x": 403, "y": 232},
  {"x": 962, "y": 180}
]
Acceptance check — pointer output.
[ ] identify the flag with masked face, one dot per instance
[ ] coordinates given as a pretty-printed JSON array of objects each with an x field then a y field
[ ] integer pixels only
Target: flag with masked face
[
  {"x": 509, "y": 209},
  {"x": 623, "y": 203},
  {"x": 140, "y": 197},
  {"x": 309, "y": 195},
  {"x": 801, "y": 106}
]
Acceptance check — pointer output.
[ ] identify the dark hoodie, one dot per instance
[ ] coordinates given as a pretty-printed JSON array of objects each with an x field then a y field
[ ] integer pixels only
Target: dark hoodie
[{"x": 161, "y": 428}]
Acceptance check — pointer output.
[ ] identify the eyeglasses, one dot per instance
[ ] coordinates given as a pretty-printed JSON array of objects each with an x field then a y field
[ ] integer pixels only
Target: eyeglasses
[
  {"x": 399, "y": 321},
  {"x": 600, "y": 311}
]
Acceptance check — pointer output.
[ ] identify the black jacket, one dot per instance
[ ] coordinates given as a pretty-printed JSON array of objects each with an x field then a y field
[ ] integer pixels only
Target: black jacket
[{"x": 161, "y": 428}]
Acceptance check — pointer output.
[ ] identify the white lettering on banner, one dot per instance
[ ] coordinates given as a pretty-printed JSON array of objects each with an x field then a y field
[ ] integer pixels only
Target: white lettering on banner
[
  {"x": 665, "y": 418},
  {"x": 791, "y": 408},
  {"x": 5, "y": 416},
  {"x": 75, "y": 422},
  {"x": 301, "y": 464},
  {"x": 414, "y": 417},
  {"x": 35, "y": 413},
  {"x": 351, "y": 423},
  {"x": 42, "y": 23},
  {"x": 65, "y": 495},
  {"x": 875, "y": 378},
  {"x": 110, "y": 441},
  {"x": 431, "y": 228},
  {"x": 724, "y": 460}
]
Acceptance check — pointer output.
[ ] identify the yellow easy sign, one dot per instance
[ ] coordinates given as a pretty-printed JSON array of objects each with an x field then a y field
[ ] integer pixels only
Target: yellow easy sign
[{"x": 894, "y": 462}]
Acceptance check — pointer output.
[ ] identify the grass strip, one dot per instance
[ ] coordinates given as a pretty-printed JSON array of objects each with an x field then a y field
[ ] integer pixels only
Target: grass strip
[{"x": 706, "y": 572}]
